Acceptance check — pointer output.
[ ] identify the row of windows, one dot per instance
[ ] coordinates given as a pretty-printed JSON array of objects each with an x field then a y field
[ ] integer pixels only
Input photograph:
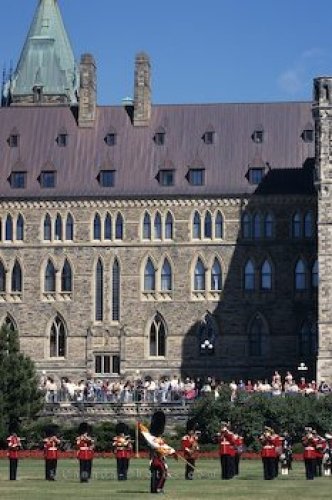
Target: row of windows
[{"x": 257, "y": 225}]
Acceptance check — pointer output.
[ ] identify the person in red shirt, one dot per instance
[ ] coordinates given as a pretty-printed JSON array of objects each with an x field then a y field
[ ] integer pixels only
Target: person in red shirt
[
  {"x": 320, "y": 444},
  {"x": 13, "y": 445},
  {"x": 238, "y": 446},
  {"x": 123, "y": 447},
  {"x": 51, "y": 445},
  {"x": 190, "y": 448},
  {"x": 310, "y": 453},
  {"x": 226, "y": 442},
  {"x": 269, "y": 453},
  {"x": 85, "y": 445}
]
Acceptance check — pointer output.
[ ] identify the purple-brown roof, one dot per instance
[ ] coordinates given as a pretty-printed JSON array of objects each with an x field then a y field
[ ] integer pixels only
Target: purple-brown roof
[{"x": 136, "y": 157}]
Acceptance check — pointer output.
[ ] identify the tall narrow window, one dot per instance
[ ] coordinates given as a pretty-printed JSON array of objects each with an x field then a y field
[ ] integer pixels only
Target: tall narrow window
[
  {"x": 257, "y": 226},
  {"x": 69, "y": 228},
  {"x": 256, "y": 337},
  {"x": 308, "y": 225},
  {"x": 216, "y": 276},
  {"x": 300, "y": 276},
  {"x": 147, "y": 226},
  {"x": 219, "y": 226},
  {"x": 308, "y": 340},
  {"x": 169, "y": 226},
  {"x": 246, "y": 226},
  {"x": 116, "y": 291},
  {"x": 314, "y": 275},
  {"x": 99, "y": 308},
  {"x": 157, "y": 337},
  {"x": 2, "y": 279},
  {"x": 266, "y": 276},
  {"x": 119, "y": 227},
  {"x": 9, "y": 228},
  {"x": 49, "y": 282},
  {"x": 97, "y": 228},
  {"x": 268, "y": 226},
  {"x": 58, "y": 228},
  {"x": 296, "y": 225},
  {"x": 108, "y": 227},
  {"x": 166, "y": 276},
  {"x": 199, "y": 277},
  {"x": 58, "y": 339},
  {"x": 157, "y": 226},
  {"x": 249, "y": 276},
  {"x": 197, "y": 226},
  {"x": 20, "y": 228},
  {"x": 47, "y": 228},
  {"x": 66, "y": 277},
  {"x": 17, "y": 278},
  {"x": 208, "y": 225},
  {"x": 149, "y": 276}
]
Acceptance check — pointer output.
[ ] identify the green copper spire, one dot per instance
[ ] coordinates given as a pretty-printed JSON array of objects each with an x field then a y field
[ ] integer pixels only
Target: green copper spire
[{"x": 47, "y": 61}]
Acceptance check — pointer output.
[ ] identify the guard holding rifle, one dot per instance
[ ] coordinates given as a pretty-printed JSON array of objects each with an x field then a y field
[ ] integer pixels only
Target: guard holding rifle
[
  {"x": 226, "y": 441},
  {"x": 51, "y": 444},
  {"x": 310, "y": 453},
  {"x": 123, "y": 447},
  {"x": 13, "y": 445},
  {"x": 85, "y": 445},
  {"x": 269, "y": 453},
  {"x": 190, "y": 448}
]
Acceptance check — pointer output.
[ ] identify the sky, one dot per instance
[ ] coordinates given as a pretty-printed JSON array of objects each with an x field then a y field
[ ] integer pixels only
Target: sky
[{"x": 201, "y": 51}]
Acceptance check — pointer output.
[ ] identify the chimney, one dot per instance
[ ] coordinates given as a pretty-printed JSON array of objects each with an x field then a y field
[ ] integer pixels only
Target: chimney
[
  {"x": 88, "y": 93},
  {"x": 142, "y": 91}
]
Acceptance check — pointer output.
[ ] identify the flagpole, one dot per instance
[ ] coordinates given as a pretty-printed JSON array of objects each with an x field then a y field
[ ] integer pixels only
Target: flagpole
[{"x": 136, "y": 440}]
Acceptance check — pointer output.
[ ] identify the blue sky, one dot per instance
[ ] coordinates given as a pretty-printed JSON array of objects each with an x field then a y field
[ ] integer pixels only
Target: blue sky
[{"x": 201, "y": 51}]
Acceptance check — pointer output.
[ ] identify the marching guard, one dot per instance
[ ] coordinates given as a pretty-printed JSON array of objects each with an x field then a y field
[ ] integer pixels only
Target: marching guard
[
  {"x": 269, "y": 453},
  {"x": 320, "y": 444},
  {"x": 226, "y": 442},
  {"x": 190, "y": 448},
  {"x": 123, "y": 447},
  {"x": 310, "y": 453},
  {"x": 13, "y": 445},
  {"x": 85, "y": 445},
  {"x": 51, "y": 444}
]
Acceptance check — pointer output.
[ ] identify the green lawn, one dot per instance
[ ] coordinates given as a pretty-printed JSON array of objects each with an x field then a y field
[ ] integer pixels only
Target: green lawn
[{"x": 207, "y": 483}]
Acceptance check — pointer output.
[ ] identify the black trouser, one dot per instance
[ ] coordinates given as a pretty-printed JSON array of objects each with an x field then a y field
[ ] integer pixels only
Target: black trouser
[
  {"x": 85, "y": 470},
  {"x": 227, "y": 466},
  {"x": 13, "y": 469},
  {"x": 122, "y": 465},
  {"x": 190, "y": 467},
  {"x": 276, "y": 467},
  {"x": 310, "y": 468},
  {"x": 319, "y": 465},
  {"x": 50, "y": 469},
  {"x": 158, "y": 478},
  {"x": 237, "y": 464},
  {"x": 269, "y": 467}
]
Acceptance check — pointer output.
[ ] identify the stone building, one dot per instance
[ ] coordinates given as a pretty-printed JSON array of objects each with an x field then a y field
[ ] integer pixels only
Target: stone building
[{"x": 159, "y": 239}]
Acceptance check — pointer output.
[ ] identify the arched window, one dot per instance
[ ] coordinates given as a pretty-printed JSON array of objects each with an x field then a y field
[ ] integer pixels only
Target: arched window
[
  {"x": 58, "y": 339},
  {"x": 308, "y": 225},
  {"x": 249, "y": 276},
  {"x": 108, "y": 227},
  {"x": 268, "y": 226},
  {"x": 116, "y": 291},
  {"x": 157, "y": 226},
  {"x": 216, "y": 276},
  {"x": 20, "y": 228},
  {"x": 47, "y": 228},
  {"x": 300, "y": 276},
  {"x": 197, "y": 226},
  {"x": 257, "y": 226},
  {"x": 308, "y": 341},
  {"x": 246, "y": 226},
  {"x": 256, "y": 337},
  {"x": 58, "y": 228},
  {"x": 119, "y": 227},
  {"x": 9, "y": 228},
  {"x": 99, "y": 309},
  {"x": 266, "y": 276},
  {"x": 2, "y": 279},
  {"x": 147, "y": 226},
  {"x": 66, "y": 277},
  {"x": 149, "y": 276},
  {"x": 296, "y": 225},
  {"x": 9, "y": 323},
  {"x": 157, "y": 337},
  {"x": 17, "y": 277},
  {"x": 166, "y": 276},
  {"x": 219, "y": 226},
  {"x": 69, "y": 228},
  {"x": 314, "y": 274},
  {"x": 49, "y": 282},
  {"x": 169, "y": 226},
  {"x": 199, "y": 276},
  {"x": 97, "y": 228},
  {"x": 208, "y": 225}
]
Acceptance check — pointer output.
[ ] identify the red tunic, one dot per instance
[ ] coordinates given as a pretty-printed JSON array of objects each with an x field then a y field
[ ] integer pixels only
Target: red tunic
[
  {"x": 14, "y": 444},
  {"x": 227, "y": 444},
  {"x": 269, "y": 449},
  {"x": 51, "y": 448},
  {"x": 189, "y": 445},
  {"x": 85, "y": 448},
  {"x": 122, "y": 447}
]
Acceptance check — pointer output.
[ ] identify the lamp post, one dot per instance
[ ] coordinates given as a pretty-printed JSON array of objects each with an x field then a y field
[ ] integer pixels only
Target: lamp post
[
  {"x": 137, "y": 415},
  {"x": 207, "y": 349}
]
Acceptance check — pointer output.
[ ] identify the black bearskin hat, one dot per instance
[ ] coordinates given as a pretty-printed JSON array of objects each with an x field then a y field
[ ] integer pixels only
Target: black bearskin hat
[
  {"x": 83, "y": 428},
  {"x": 51, "y": 430},
  {"x": 121, "y": 428},
  {"x": 13, "y": 427},
  {"x": 191, "y": 425},
  {"x": 158, "y": 421}
]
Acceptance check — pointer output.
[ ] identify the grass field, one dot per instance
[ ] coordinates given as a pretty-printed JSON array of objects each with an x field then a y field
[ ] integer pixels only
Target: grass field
[{"x": 206, "y": 485}]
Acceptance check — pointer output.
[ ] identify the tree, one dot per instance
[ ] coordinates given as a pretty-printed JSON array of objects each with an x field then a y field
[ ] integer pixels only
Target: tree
[{"x": 19, "y": 394}]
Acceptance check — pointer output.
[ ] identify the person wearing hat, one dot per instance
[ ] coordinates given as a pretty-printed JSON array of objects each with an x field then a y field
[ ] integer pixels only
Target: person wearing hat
[
  {"x": 13, "y": 445},
  {"x": 51, "y": 445},
  {"x": 85, "y": 445},
  {"x": 226, "y": 441},
  {"x": 190, "y": 448},
  {"x": 123, "y": 447},
  {"x": 310, "y": 453},
  {"x": 269, "y": 453}
]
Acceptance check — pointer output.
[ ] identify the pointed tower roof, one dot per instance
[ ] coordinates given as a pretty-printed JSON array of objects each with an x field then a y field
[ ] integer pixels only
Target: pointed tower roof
[{"x": 47, "y": 59}]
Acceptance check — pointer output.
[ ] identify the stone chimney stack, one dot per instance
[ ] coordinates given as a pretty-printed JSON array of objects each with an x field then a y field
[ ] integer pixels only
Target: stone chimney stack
[
  {"x": 88, "y": 92},
  {"x": 142, "y": 91}
]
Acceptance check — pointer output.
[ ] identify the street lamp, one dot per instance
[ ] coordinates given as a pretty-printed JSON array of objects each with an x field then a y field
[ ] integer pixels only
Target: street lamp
[
  {"x": 207, "y": 348},
  {"x": 302, "y": 367}
]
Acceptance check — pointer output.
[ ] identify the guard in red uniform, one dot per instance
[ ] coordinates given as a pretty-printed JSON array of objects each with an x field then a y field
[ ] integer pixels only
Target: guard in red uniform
[
  {"x": 238, "y": 445},
  {"x": 278, "y": 443},
  {"x": 123, "y": 448},
  {"x": 158, "y": 466},
  {"x": 190, "y": 448},
  {"x": 310, "y": 453},
  {"x": 51, "y": 445},
  {"x": 85, "y": 445},
  {"x": 13, "y": 445},
  {"x": 269, "y": 453},
  {"x": 226, "y": 442},
  {"x": 320, "y": 444}
]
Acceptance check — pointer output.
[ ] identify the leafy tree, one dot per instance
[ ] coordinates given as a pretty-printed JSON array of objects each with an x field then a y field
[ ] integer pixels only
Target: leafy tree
[{"x": 19, "y": 394}]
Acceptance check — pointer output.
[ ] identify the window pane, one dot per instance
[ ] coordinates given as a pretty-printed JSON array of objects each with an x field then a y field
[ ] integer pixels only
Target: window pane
[
  {"x": 166, "y": 277},
  {"x": 216, "y": 276},
  {"x": 99, "y": 291},
  {"x": 58, "y": 228},
  {"x": 116, "y": 364},
  {"x": 268, "y": 226},
  {"x": 107, "y": 178},
  {"x": 208, "y": 225},
  {"x": 108, "y": 228},
  {"x": 219, "y": 226},
  {"x": 47, "y": 228},
  {"x": 199, "y": 279},
  {"x": 196, "y": 176},
  {"x": 18, "y": 180},
  {"x": 49, "y": 277},
  {"x": 119, "y": 227},
  {"x": 48, "y": 179},
  {"x": 97, "y": 227},
  {"x": 166, "y": 177},
  {"x": 20, "y": 228},
  {"x": 149, "y": 276},
  {"x": 69, "y": 228},
  {"x": 107, "y": 364},
  {"x": 147, "y": 227},
  {"x": 249, "y": 276},
  {"x": 98, "y": 365},
  {"x": 9, "y": 228},
  {"x": 246, "y": 226},
  {"x": 296, "y": 225},
  {"x": 157, "y": 227},
  {"x": 197, "y": 226},
  {"x": 169, "y": 227},
  {"x": 116, "y": 291}
]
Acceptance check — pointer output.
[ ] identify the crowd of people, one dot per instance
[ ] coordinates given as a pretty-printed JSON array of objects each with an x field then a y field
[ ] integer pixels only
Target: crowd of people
[{"x": 173, "y": 389}]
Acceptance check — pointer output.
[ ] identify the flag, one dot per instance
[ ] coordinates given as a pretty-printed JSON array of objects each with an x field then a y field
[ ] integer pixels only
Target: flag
[{"x": 156, "y": 443}]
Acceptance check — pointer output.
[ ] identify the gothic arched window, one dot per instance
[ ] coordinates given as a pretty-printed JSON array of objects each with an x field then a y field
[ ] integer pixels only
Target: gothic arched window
[
  {"x": 208, "y": 225},
  {"x": 149, "y": 276},
  {"x": 147, "y": 226},
  {"x": 169, "y": 226},
  {"x": 69, "y": 228},
  {"x": 266, "y": 276},
  {"x": 197, "y": 226},
  {"x": 216, "y": 276},
  {"x": 97, "y": 227},
  {"x": 47, "y": 228},
  {"x": 9, "y": 228},
  {"x": 308, "y": 225},
  {"x": 99, "y": 298},
  {"x": 268, "y": 226},
  {"x": 157, "y": 226},
  {"x": 314, "y": 274},
  {"x": 296, "y": 225},
  {"x": 166, "y": 276},
  {"x": 66, "y": 277},
  {"x": 17, "y": 277},
  {"x": 58, "y": 228},
  {"x": 119, "y": 227},
  {"x": 116, "y": 290},
  {"x": 300, "y": 275},
  {"x": 199, "y": 276},
  {"x": 257, "y": 334},
  {"x": 308, "y": 341},
  {"x": 157, "y": 337},
  {"x": 219, "y": 226},
  {"x": 9, "y": 323},
  {"x": 58, "y": 339},
  {"x": 20, "y": 228},
  {"x": 2, "y": 279},
  {"x": 49, "y": 282},
  {"x": 108, "y": 227},
  {"x": 249, "y": 276},
  {"x": 257, "y": 226},
  {"x": 246, "y": 226}
]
